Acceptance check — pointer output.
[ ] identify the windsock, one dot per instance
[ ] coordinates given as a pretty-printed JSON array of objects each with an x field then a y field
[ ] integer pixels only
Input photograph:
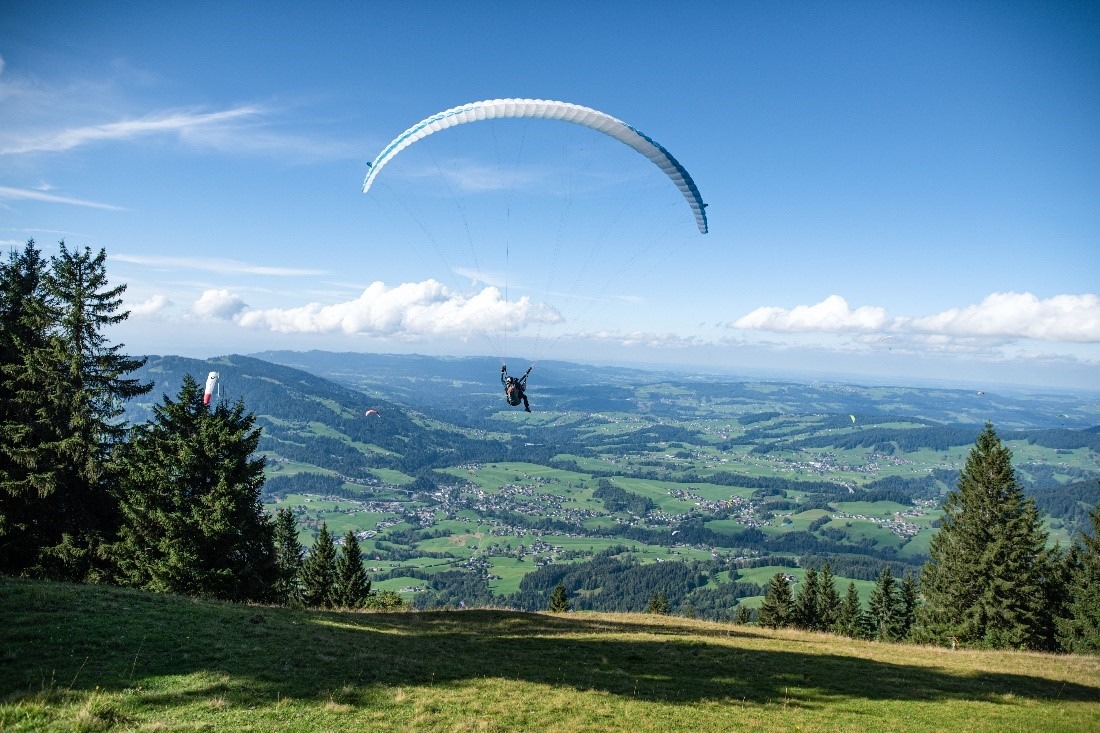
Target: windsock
[{"x": 211, "y": 385}]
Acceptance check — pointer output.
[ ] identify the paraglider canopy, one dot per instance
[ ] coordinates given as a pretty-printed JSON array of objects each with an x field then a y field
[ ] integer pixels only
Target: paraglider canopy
[
  {"x": 549, "y": 110},
  {"x": 372, "y": 411}
]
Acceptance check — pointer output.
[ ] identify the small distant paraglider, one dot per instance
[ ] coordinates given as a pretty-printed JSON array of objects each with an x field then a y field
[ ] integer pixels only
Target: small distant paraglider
[
  {"x": 372, "y": 411},
  {"x": 852, "y": 418},
  {"x": 211, "y": 386},
  {"x": 981, "y": 393}
]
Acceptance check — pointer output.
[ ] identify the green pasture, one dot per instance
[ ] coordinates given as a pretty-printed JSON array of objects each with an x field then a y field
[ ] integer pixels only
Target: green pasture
[
  {"x": 857, "y": 529},
  {"x": 390, "y": 476},
  {"x": 396, "y": 584},
  {"x": 657, "y": 491},
  {"x": 725, "y": 526},
  {"x": 884, "y": 509},
  {"x": 917, "y": 546},
  {"x": 763, "y": 575},
  {"x": 511, "y": 571},
  {"x": 277, "y": 466},
  {"x": 492, "y": 476}
]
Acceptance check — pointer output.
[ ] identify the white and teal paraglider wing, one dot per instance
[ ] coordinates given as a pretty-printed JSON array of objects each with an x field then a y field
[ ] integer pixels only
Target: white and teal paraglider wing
[{"x": 549, "y": 110}]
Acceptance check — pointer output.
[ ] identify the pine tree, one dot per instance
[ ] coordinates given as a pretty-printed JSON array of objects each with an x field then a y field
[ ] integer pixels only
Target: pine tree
[
  {"x": 319, "y": 571},
  {"x": 352, "y": 584},
  {"x": 193, "y": 522},
  {"x": 658, "y": 603},
  {"x": 884, "y": 608},
  {"x": 559, "y": 599},
  {"x": 288, "y": 558},
  {"x": 909, "y": 596},
  {"x": 849, "y": 620},
  {"x": 69, "y": 385},
  {"x": 804, "y": 613},
  {"x": 828, "y": 609},
  {"x": 775, "y": 611},
  {"x": 25, "y": 479},
  {"x": 1080, "y": 632},
  {"x": 984, "y": 582}
]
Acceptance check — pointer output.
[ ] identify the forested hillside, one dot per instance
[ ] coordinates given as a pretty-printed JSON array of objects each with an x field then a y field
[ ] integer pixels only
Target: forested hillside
[{"x": 622, "y": 484}]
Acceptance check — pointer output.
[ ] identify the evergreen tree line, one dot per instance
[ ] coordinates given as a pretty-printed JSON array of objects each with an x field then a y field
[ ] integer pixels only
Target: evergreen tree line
[
  {"x": 818, "y": 606},
  {"x": 170, "y": 505},
  {"x": 326, "y": 576},
  {"x": 991, "y": 580}
]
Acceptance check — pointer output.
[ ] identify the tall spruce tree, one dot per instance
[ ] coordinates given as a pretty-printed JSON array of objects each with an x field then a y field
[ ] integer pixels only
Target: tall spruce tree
[
  {"x": 804, "y": 612},
  {"x": 885, "y": 612},
  {"x": 984, "y": 582},
  {"x": 319, "y": 572},
  {"x": 849, "y": 619},
  {"x": 828, "y": 609},
  {"x": 69, "y": 386},
  {"x": 1080, "y": 631},
  {"x": 25, "y": 479},
  {"x": 909, "y": 596},
  {"x": 775, "y": 611},
  {"x": 190, "y": 497},
  {"x": 352, "y": 584},
  {"x": 288, "y": 558}
]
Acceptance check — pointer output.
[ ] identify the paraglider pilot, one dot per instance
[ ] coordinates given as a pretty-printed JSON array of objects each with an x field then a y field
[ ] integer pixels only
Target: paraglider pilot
[{"x": 514, "y": 389}]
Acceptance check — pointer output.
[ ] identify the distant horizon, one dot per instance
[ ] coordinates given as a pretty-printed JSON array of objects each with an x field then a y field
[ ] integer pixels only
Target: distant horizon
[{"x": 747, "y": 374}]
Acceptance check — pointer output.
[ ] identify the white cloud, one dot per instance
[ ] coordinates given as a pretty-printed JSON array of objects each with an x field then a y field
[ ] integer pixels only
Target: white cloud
[
  {"x": 214, "y": 264},
  {"x": 408, "y": 310},
  {"x": 832, "y": 314},
  {"x": 1063, "y": 318},
  {"x": 149, "y": 307},
  {"x": 218, "y": 304},
  {"x": 27, "y": 194},
  {"x": 998, "y": 320}
]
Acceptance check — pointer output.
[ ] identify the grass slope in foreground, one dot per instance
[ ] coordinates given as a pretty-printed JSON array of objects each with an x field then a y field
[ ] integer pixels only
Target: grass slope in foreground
[{"x": 102, "y": 658}]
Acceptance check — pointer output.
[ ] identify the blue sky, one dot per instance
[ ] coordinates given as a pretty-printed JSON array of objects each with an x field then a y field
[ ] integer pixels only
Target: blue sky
[{"x": 896, "y": 192}]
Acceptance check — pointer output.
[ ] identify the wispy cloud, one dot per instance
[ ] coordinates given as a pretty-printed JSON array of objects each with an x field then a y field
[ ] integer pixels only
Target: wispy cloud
[
  {"x": 28, "y": 194},
  {"x": 214, "y": 264},
  {"x": 644, "y": 339},
  {"x": 470, "y": 176},
  {"x": 39, "y": 116},
  {"x": 182, "y": 123}
]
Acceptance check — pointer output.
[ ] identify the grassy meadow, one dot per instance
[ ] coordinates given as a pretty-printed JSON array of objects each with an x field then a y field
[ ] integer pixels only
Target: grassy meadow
[{"x": 97, "y": 658}]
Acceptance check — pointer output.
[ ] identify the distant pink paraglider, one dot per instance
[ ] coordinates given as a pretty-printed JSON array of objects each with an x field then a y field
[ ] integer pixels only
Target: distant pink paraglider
[
  {"x": 211, "y": 385},
  {"x": 368, "y": 413}
]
